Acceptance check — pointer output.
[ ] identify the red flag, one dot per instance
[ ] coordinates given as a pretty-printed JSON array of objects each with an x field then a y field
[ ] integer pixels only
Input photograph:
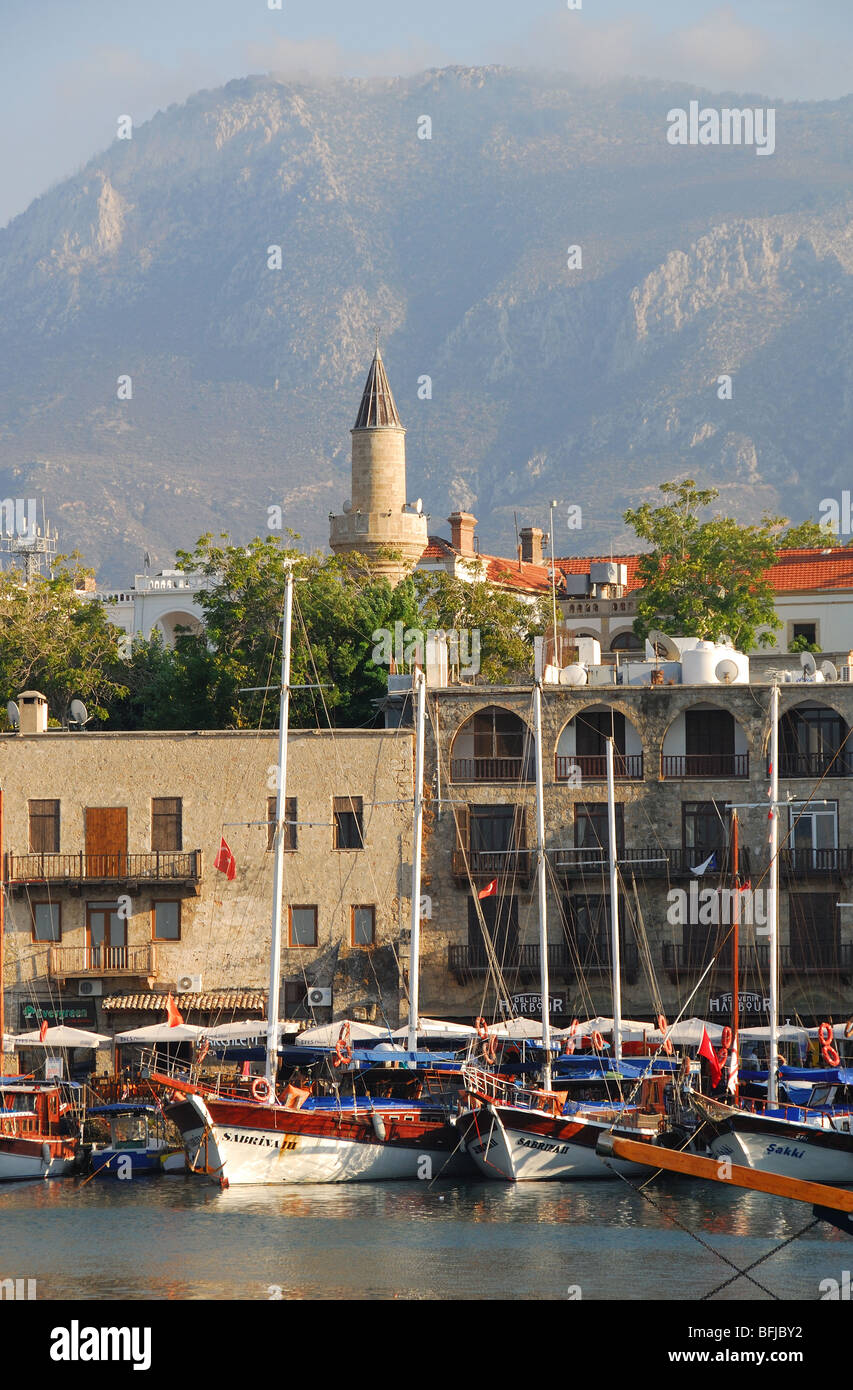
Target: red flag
[
  {"x": 707, "y": 1051},
  {"x": 43, "y": 1030},
  {"x": 490, "y": 889},
  {"x": 225, "y": 861},
  {"x": 173, "y": 1013}
]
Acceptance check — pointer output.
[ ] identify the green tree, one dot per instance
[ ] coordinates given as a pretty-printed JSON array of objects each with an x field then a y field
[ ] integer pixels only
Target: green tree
[
  {"x": 505, "y": 623},
  {"x": 56, "y": 640},
  {"x": 808, "y": 535},
  {"x": 703, "y": 578}
]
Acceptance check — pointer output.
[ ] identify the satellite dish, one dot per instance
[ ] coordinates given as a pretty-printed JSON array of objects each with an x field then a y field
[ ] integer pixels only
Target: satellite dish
[
  {"x": 726, "y": 671},
  {"x": 808, "y": 664},
  {"x": 347, "y": 507},
  {"x": 663, "y": 645},
  {"x": 573, "y": 675},
  {"x": 829, "y": 670},
  {"x": 79, "y": 713},
  {"x": 13, "y": 714}
]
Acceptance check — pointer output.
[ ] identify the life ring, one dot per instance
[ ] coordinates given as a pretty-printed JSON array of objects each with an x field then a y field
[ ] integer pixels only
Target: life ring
[
  {"x": 568, "y": 1048},
  {"x": 830, "y": 1055},
  {"x": 482, "y": 1028},
  {"x": 824, "y": 1033},
  {"x": 598, "y": 1042},
  {"x": 662, "y": 1027},
  {"x": 848, "y": 1028},
  {"x": 726, "y": 1039},
  {"x": 490, "y": 1049},
  {"x": 343, "y": 1047},
  {"x": 575, "y": 1025},
  {"x": 260, "y": 1089},
  {"x": 686, "y": 1067}
]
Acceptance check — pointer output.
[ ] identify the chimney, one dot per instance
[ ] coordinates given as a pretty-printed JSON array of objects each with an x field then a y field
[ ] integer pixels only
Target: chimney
[
  {"x": 531, "y": 544},
  {"x": 32, "y": 708},
  {"x": 462, "y": 532}
]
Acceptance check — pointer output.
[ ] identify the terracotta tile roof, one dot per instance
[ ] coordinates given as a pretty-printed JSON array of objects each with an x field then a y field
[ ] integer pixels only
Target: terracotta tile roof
[
  {"x": 242, "y": 999},
  {"x": 799, "y": 570}
]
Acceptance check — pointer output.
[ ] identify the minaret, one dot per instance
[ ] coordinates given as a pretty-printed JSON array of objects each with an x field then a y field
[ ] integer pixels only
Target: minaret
[{"x": 378, "y": 518}]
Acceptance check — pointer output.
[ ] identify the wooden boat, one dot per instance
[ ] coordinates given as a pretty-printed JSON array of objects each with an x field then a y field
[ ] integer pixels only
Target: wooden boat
[
  {"x": 795, "y": 1141},
  {"x": 39, "y": 1135}
]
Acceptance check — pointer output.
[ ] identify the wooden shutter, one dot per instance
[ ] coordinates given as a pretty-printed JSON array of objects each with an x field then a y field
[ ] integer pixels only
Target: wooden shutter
[
  {"x": 166, "y": 829},
  {"x": 106, "y": 841},
  {"x": 44, "y": 827}
]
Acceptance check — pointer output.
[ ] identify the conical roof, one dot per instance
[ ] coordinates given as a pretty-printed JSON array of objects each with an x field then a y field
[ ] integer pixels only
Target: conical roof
[{"x": 377, "y": 403}]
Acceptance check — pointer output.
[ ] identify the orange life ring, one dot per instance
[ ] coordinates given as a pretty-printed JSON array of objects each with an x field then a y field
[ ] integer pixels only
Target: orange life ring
[
  {"x": 598, "y": 1042},
  {"x": 343, "y": 1047},
  {"x": 575, "y": 1025},
  {"x": 686, "y": 1067},
  {"x": 824, "y": 1033},
  {"x": 490, "y": 1049},
  {"x": 727, "y": 1037},
  {"x": 830, "y": 1056},
  {"x": 482, "y": 1028},
  {"x": 848, "y": 1028},
  {"x": 260, "y": 1089}
]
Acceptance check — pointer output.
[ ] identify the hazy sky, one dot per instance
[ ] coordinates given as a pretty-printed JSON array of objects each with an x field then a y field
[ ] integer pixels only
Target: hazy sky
[{"x": 71, "y": 67}]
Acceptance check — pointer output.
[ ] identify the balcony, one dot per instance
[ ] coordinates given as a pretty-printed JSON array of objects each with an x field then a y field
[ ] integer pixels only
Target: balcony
[
  {"x": 70, "y": 962},
  {"x": 817, "y": 863},
  {"x": 754, "y": 960},
  {"x": 467, "y": 963},
  {"x": 627, "y": 767},
  {"x": 173, "y": 867},
  {"x": 491, "y": 770},
  {"x": 815, "y": 765},
  {"x": 678, "y": 766},
  {"x": 492, "y": 863}
]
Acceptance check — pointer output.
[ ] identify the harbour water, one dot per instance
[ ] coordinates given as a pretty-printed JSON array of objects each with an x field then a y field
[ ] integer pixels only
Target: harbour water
[{"x": 181, "y": 1239}]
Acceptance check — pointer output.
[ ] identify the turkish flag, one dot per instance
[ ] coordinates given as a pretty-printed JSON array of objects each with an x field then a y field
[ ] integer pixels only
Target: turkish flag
[
  {"x": 707, "y": 1051},
  {"x": 225, "y": 861},
  {"x": 490, "y": 889},
  {"x": 173, "y": 1013},
  {"x": 43, "y": 1030}
]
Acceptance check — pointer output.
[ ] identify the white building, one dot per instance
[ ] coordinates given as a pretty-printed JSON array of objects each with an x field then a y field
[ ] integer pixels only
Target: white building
[{"x": 164, "y": 602}]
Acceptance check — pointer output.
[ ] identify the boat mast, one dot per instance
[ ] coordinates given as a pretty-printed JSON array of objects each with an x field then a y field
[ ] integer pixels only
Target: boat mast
[
  {"x": 2, "y": 930},
  {"x": 614, "y": 907},
  {"x": 545, "y": 983},
  {"x": 735, "y": 1049},
  {"x": 278, "y": 844},
  {"x": 773, "y": 905},
  {"x": 415, "y": 933}
]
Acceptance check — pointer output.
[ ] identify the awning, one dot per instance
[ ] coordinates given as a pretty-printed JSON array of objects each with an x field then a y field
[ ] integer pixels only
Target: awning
[{"x": 207, "y": 1001}]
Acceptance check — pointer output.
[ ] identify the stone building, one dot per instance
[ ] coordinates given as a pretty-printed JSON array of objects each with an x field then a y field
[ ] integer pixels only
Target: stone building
[
  {"x": 684, "y": 755},
  {"x": 112, "y": 895},
  {"x": 377, "y": 520}
]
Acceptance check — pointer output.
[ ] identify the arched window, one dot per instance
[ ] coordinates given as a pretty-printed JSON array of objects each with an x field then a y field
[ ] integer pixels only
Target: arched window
[{"x": 494, "y": 745}]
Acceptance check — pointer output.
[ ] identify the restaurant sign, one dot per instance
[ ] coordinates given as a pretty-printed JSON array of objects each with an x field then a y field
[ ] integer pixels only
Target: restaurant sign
[
  {"x": 750, "y": 1003},
  {"x": 76, "y": 1015},
  {"x": 530, "y": 1005}
]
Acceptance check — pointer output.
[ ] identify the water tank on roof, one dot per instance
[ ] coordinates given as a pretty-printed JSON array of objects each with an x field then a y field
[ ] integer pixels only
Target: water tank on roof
[
  {"x": 699, "y": 666},
  {"x": 604, "y": 572}
]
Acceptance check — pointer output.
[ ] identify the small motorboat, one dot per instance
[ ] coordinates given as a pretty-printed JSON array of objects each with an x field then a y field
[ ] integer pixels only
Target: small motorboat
[{"x": 139, "y": 1143}]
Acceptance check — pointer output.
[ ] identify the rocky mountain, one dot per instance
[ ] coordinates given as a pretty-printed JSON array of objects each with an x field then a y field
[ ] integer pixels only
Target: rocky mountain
[{"x": 588, "y": 384}]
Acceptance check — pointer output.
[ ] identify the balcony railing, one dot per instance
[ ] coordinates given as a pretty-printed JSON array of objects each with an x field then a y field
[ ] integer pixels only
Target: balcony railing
[
  {"x": 681, "y": 765},
  {"x": 815, "y": 764},
  {"x": 68, "y": 961},
  {"x": 492, "y": 863},
  {"x": 646, "y": 861},
  {"x": 582, "y": 767},
  {"x": 160, "y": 866},
  {"x": 491, "y": 770},
  {"x": 470, "y": 962},
  {"x": 755, "y": 959},
  {"x": 816, "y": 863}
]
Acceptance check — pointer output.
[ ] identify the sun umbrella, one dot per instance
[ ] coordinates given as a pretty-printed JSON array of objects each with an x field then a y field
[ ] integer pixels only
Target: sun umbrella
[
  {"x": 437, "y": 1028},
  {"x": 160, "y": 1032},
  {"x": 61, "y": 1036},
  {"x": 327, "y": 1034}
]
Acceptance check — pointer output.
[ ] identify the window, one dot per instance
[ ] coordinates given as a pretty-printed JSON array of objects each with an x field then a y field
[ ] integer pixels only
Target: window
[
  {"x": 289, "y": 822},
  {"x": 166, "y": 921},
  {"x": 814, "y": 930},
  {"x": 47, "y": 922},
  {"x": 592, "y": 730},
  {"x": 166, "y": 833},
  {"x": 812, "y": 742},
  {"x": 303, "y": 926},
  {"x": 626, "y": 642},
  {"x": 807, "y": 630},
  {"x": 363, "y": 926},
  {"x": 349, "y": 819},
  {"x": 704, "y": 825},
  {"x": 44, "y": 827},
  {"x": 591, "y": 831}
]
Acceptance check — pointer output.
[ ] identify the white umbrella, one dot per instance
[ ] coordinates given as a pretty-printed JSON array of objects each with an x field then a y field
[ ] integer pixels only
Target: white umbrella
[
  {"x": 160, "y": 1032},
  {"x": 437, "y": 1028},
  {"x": 631, "y": 1030},
  {"x": 61, "y": 1036},
  {"x": 688, "y": 1032},
  {"x": 327, "y": 1034},
  {"x": 250, "y": 1031},
  {"x": 786, "y": 1032},
  {"x": 517, "y": 1029}
]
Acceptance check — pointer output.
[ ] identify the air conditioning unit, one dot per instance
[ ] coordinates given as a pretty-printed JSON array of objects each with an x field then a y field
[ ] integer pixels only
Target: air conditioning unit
[
  {"x": 319, "y": 998},
  {"x": 189, "y": 984},
  {"x": 87, "y": 989}
]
